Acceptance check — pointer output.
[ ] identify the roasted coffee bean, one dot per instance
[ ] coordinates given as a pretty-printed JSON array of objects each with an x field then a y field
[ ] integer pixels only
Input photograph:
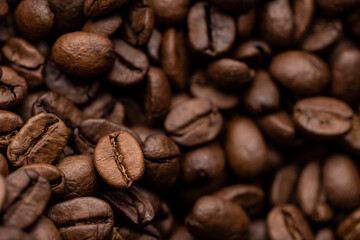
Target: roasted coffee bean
[
  {"x": 229, "y": 73},
  {"x": 288, "y": 25},
  {"x": 27, "y": 194},
  {"x": 300, "y": 72},
  {"x": 130, "y": 67},
  {"x": 105, "y": 106},
  {"x": 214, "y": 218},
  {"x": 249, "y": 197},
  {"x": 81, "y": 179},
  {"x": 157, "y": 96},
  {"x": 211, "y": 32},
  {"x": 175, "y": 58},
  {"x": 283, "y": 185},
  {"x": 13, "y": 88},
  {"x": 153, "y": 46},
  {"x": 234, "y": 5},
  {"x": 323, "y": 35},
  {"x": 136, "y": 205},
  {"x": 84, "y": 55},
  {"x": 170, "y": 12},
  {"x": 78, "y": 92},
  {"x": 336, "y": 7},
  {"x": 349, "y": 227},
  {"x": 53, "y": 174},
  {"x": 139, "y": 24},
  {"x": 203, "y": 163},
  {"x": 193, "y": 122},
  {"x": 278, "y": 127},
  {"x": 13, "y": 233},
  {"x": 10, "y": 123},
  {"x": 91, "y": 131},
  {"x": 325, "y": 234},
  {"x": 25, "y": 59},
  {"x": 162, "y": 162},
  {"x": 263, "y": 95},
  {"x": 201, "y": 88},
  {"x": 178, "y": 99},
  {"x": 44, "y": 229},
  {"x": 345, "y": 75},
  {"x": 253, "y": 52},
  {"x": 68, "y": 15},
  {"x": 4, "y": 169},
  {"x": 245, "y": 148},
  {"x": 25, "y": 107},
  {"x": 311, "y": 194},
  {"x": 353, "y": 22},
  {"x": 106, "y": 26},
  {"x": 96, "y": 8},
  {"x": 287, "y": 222},
  {"x": 125, "y": 232},
  {"x": 342, "y": 192},
  {"x": 245, "y": 24},
  {"x": 34, "y": 19},
  {"x": 62, "y": 107},
  {"x": 82, "y": 218},
  {"x": 323, "y": 117},
  {"x": 40, "y": 140},
  {"x": 119, "y": 159}
]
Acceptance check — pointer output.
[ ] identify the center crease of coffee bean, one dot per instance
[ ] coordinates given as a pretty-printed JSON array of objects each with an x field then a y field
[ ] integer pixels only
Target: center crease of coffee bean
[
  {"x": 293, "y": 231},
  {"x": 197, "y": 121},
  {"x": 119, "y": 159}
]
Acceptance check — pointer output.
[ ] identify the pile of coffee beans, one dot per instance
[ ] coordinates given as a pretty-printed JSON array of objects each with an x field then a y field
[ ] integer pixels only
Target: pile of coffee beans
[{"x": 179, "y": 119}]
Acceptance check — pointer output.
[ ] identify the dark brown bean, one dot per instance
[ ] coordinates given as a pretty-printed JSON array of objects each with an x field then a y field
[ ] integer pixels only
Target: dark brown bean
[
  {"x": 106, "y": 26},
  {"x": 10, "y": 123},
  {"x": 13, "y": 88}
]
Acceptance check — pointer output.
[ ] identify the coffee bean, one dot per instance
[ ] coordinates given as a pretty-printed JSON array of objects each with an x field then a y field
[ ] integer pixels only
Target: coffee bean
[
  {"x": 229, "y": 73},
  {"x": 153, "y": 46},
  {"x": 40, "y": 140},
  {"x": 201, "y": 88},
  {"x": 82, "y": 218},
  {"x": 54, "y": 103},
  {"x": 13, "y": 88},
  {"x": 175, "y": 58},
  {"x": 323, "y": 35},
  {"x": 349, "y": 227},
  {"x": 96, "y": 8},
  {"x": 13, "y": 233},
  {"x": 203, "y": 163},
  {"x": 211, "y": 32},
  {"x": 83, "y": 54},
  {"x": 344, "y": 192},
  {"x": 312, "y": 195},
  {"x": 287, "y": 222},
  {"x": 214, "y": 218},
  {"x": 245, "y": 148},
  {"x": 34, "y": 19},
  {"x": 283, "y": 185},
  {"x": 162, "y": 162},
  {"x": 31, "y": 63},
  {"x": 249, "y": 197},
  {"x": 105, "y": 106},
  {"x": 178, "y": 99},
  {"x": 106, "y": 26},
  {"x": 170, "y": 12},
  {"x": 263, "y": 95},
  {"x": 245, "y": 24},
  {"x": 322, "y": 117},
  {"x": 300, "y": 72},
  {"x": 139, "y": 24},
  {"x": 193, "y": 122},
  {"x": 53, "y": 174},
  {"x": 119, "y": 160},
  {"x": 10, "y": 123},
  {"x": 25, "y": 107},
  {"x": 27, "y": 194},
  {"x": 81, "y": 179},
  {"x": 130, "y": 67},
  {"x": 253, "y": 52},
  {"x": 78, "y": 92},
  {"x": 44, "y": 229},
  {"x": 91, "y": 131},
  {"x": 288, "y": 26},
  {"x": 345, "y": 72}
]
